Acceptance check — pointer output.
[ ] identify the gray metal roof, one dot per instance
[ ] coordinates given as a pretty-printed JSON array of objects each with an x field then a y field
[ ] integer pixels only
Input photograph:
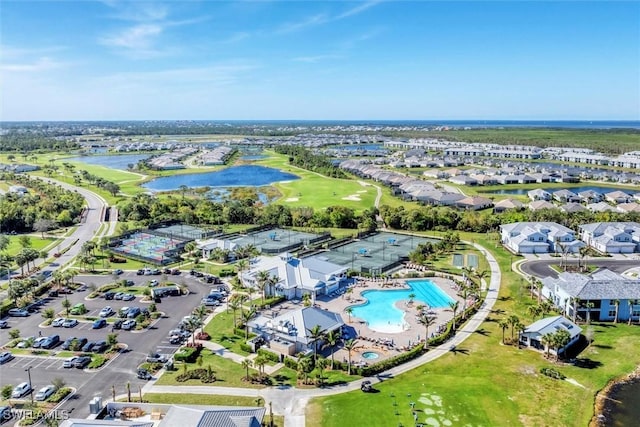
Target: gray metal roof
[{"x": 602, "y": 284}]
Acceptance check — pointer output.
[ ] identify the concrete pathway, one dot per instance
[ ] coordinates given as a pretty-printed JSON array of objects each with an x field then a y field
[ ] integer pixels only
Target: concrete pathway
[{"x": 291, "y": 402}]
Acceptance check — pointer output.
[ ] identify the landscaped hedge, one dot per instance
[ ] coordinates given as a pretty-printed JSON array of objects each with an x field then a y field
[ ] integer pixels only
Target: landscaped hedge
[
  {"x": 246, "y": 347},
  {"x": 269, "y": 355},
  {"x": 270, "y": 302},
  {"x": 204, "y": 375},
  {"x": 60, "y": 394},
  {"x": 550, "y": 372},
  {"x": 383, "y": 365},
  {"x": 187, "y": 354},
  {"x": 290, "y": 363}
]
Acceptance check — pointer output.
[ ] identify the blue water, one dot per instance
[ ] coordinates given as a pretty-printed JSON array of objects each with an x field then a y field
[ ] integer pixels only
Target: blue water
[
  {"x": 381, "y": 313},
  {"x": 253, "y": 157},
  {"x": 235, "y": 176},
  {"x": 596, "y": 188},
  {"x": 120, "y": 161}
]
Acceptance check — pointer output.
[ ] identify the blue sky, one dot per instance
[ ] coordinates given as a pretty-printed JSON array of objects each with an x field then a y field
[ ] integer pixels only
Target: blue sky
[{"x": 115, "y": 60}]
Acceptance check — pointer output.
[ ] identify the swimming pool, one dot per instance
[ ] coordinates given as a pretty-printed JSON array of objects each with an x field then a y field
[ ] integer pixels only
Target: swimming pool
[{"x": 380, "y": 311}]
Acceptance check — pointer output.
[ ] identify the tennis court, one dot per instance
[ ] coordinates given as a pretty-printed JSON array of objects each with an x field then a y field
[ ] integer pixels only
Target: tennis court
[
  {"x": 278, "y": 240},
  {"x": 149, "y": 247},
  {"x": 184, "y": 232},
  {"x": 376, "y": 253}
]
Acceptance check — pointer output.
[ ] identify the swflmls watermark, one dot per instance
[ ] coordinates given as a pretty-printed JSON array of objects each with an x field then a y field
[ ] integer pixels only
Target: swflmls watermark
[{"x": 29, "y": 414}]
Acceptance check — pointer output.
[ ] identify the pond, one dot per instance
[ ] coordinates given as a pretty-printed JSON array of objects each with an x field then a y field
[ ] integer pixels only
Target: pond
[
  {"x": 120, "y": 161},
  {"x": 235, "y": 176},
  {"x": 624, "y": 406},
  {"x": 253, "y": 157},
  {"x": 596, "y": 188}
]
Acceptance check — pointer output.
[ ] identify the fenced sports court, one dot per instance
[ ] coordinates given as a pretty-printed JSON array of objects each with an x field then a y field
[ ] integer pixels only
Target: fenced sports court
[
  {"x": 183, "y": 232},
  {"x": 376, "y": 253},
  {"x": 278, "y": 240},
  {"x": 148, "y": 247}
]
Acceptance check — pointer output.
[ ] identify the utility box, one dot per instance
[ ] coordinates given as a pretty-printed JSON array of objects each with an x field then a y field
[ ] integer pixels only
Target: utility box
[{"x": 95, "y": 405}]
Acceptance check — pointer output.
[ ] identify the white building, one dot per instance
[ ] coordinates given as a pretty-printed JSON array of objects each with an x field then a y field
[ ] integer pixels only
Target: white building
[
  {"x": 539, "y": 237},
  {"x": 532, "y": 335},
  {"x": 612, "y": 237},
  {"x": 296, "y": 276}
]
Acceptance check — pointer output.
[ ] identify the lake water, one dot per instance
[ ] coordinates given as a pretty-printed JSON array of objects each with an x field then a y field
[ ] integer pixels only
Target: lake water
[
  {"x": 625, "y": 408},
  {"x": 235, "y": 176},
  {"x": 596, "y": 188},
  {"x": 253, "y": 157},
  {"x": 120, "y": 161}
]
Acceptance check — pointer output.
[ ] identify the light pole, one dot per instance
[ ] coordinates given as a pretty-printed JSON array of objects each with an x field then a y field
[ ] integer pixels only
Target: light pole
[{"x": 28, "y": 370}]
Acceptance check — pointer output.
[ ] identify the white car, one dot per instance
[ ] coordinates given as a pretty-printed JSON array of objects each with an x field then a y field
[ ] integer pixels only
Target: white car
[
  {"x": 45, "y": 392},
  {"x": 20, "y": 390},
  {"x": 70, "y": 362},
  {"x": 129, "y": 324},
  {"x": 56, "y": 323},
  {"x": 106, "y": 311},
  {"x": 69, "y": 323},
  {"x": 5, "y": 357}
]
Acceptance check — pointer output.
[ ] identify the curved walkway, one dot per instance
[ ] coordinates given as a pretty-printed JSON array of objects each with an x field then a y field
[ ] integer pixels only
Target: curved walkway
[{"x": 291, "y": 402}]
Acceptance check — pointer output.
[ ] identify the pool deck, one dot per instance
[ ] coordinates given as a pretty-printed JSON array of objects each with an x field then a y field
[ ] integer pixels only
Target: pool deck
[{"x": 391, "y": 343}]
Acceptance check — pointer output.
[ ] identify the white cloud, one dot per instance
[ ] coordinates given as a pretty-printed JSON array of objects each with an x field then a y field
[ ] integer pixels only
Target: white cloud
[
  {"x": 322, "y": 18},
  {"x": 317, "y": 58},
  {"x": 137, "y": 37},
  {"x": 41, "y": 64},
  {"x": 357, "y": 10}
]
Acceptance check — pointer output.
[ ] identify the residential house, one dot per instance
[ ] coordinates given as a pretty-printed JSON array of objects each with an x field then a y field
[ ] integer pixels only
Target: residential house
[
  {"x": 463, "y": 180},
  {"x": 600, "y": 296},
  {"x": 532, "y": 335},
  {"x": 590, "y": 196},
  {"x": 507, "y": 204},
  {"x": 540, "y": 204},
  {"x": 628, "y": 207},
  {"x": 539, "y": 194},
  {"x": 565, "y": 196},
  {"x": 611, "y": 237},
  {"x": 600, "y": 207},
  {"x": 572, "y": 208},
  {"x": 474, "y": 203},
  {"x": 538, "y": 237},
  {"x": 618, "y": 197},
  {"x": 289, "y": 333}
]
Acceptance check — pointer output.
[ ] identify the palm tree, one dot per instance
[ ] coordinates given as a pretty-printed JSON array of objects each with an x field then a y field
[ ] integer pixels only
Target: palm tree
[
  {"x": 504, "y": 325},
  {"x": 315, "y": 334},
  {"x": 246, "y": 316},
  {"x": 616, "y": 303},
  {"x": 547, "y": 341},
  {"x": 630, "y": 305},
  {"x": 66, "y": 304},
  {"x": 534, "y": 310},
  {"x": 576, "y": 303},
  {"x": 321, "y": 364},
  {"x": 305, "y": 366},
  {"x": 426, "y": 321},
  {"x": 234, "y": 305},
  {"x": 545, "y": 307},
  {"x": 560, "y": 340},
  {"x": 350, "y": 345},
  {"x": 262, "y": 278},
  {"x": 412, "y": 296},
  {"x": 331, "y": 340},
  {"x": 513, "y": 322},
  {"x": 271, "y": 283},
  {"x": 201, "y": 312},
  {"x": 349, "y": 311},
  {"x": 246, "y": 364},
  {"x": 454, "y": 305},
  {"x": 241, "y": 265},
  {"x": 260, "y": 361},
  {"x": 464, "y": 294},
  {"x": 481, "y": 275},
  {"x": 538, "y": 285},
  {"x": 589, "y": 305}
]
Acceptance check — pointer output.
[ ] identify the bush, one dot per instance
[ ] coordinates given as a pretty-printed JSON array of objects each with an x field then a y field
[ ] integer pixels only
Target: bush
[
  {"x": 270, "y": 302},
  {"x": 60, "y": 394},
  {"x": 376, "y": 368},
  {"x": 203, "y": 336},
  {"x": 552, "y": 373},
  {"x": 225, "y": 272},
  {"x": 187, "y": 354},
  {"x": 97, "y": 361},
  {"x": 246, "y": 347},
  {"x": 204, "y": 375},
  {"x": 269, "y": 355},
  {"x": 290, "y": 363}
]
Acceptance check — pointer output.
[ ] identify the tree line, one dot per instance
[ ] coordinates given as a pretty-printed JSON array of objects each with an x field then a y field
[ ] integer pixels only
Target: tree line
[
  {"x": 44, "y": 201},
  {"x": 147, "y": 210},
  {"x": 303, "y": 158},
  {"x": 27, "y": 143}
]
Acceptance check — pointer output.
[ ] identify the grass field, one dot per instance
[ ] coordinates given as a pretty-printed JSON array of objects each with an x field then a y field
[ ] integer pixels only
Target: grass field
[
  {"x": 200, "y": 399},
  {"x": 318, "y": 191},
  {"x": 220, "y": 329},
  {"x": 487, "y": 383},
  {"x": 37, "y": 243}
]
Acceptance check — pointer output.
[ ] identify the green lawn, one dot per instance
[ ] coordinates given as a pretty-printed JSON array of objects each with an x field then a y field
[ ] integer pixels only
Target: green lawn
[
  {"x": 200, "y": 399},
  {"x": 37, "y": 243},
  {"x": 318, "y": 191},
  {"x": 228, "y": 373},
  {"x": 487, "y": 383},
  {"x": 220, "y": 329}
]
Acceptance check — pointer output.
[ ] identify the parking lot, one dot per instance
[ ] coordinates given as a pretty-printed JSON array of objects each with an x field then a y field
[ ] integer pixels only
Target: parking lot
[{"x": 121, "y": 369}]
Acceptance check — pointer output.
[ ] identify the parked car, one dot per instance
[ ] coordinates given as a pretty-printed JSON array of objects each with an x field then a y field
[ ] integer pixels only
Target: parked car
[
  {"x": 122, "y": 313},
  {"x": 129, "y": 283},
  {"x": 18, "y": 312},
  {"x": 140, "y": 272},
  {"x": 38, "y": 342},
  {"x": 143, "y": 374},
  {"x": 175, "y": 272},
  {"x": 128, "y": 297},
  {"x": 82, "y": 288},
  {"x": 53, "y": 294},
  {"x": 5, "y": 357},
  {"x": 70, "y": 362},
  {"x": 26, "y": 342},
  {"x": 65, "y": 290},
  {"x": 106, "y": 311},
  {"x": 4, "y": 324},
  {"x": 99, "y": 346},
  {"x": 153, "y": 283},
  {"x": 66, "y": 345},
  {"x": 210, "y": 302},
  {"x": 20, "y": 390},
  {"x": 99, "y": 323},
  {"x": 50, "y": 342},
  {"x": 133, "y": 312},
  {"x": 118, "y": 296},
  {"x": 45, "y": 392},
  {"x": 128, "y": 325},
  {"x": 109, "y": 295},
  {"x": 56, "y": 323},
  {"x": 156, "y": 358},
  {"x": 118, "y": 271},
  {"x": 117, "y": 324},
  {"x": 78, "y": 309},
  {"x": 70, "y": 323},
  {"x": 88, "y": 346},
  {"x": 156, "y": 272},
  {"x": 82, "y": 362}
]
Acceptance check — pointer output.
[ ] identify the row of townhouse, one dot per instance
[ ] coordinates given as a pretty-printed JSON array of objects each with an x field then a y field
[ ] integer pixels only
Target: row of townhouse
[
  {"x": 587, "y": 196},
  {"x": 215, "y": 156},
  {"x": 629, "y": 160},
  {"x": 546, "y": 237},
  {"x": 410, "y": 188}
]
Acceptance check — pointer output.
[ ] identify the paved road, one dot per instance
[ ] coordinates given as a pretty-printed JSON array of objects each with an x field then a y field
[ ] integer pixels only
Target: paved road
[
  {"x": 541, "y": 268},
  {"x": 291, "y": 402}
]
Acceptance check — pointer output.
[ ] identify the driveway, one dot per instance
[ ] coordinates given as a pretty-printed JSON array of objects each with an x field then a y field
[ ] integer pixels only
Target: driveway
[{"x": 542, "y": 268}]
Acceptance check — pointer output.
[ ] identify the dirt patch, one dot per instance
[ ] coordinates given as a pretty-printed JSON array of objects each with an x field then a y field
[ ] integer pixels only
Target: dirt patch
[{"x": 353, "y": 198}]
